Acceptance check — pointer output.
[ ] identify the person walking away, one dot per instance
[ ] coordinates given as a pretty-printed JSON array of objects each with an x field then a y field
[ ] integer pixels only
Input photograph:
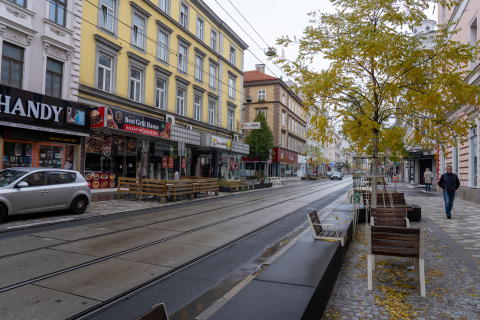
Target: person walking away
[
  {"x": 428, "y": 176},
  {"x": 449, "y": 183}
]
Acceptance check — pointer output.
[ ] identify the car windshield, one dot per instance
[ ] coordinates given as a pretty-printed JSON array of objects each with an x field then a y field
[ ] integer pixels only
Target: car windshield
[
  {"x": 9, "y": 176},
  {"x": 336, "y": 173},
  {"x": 329, "y": 172}
]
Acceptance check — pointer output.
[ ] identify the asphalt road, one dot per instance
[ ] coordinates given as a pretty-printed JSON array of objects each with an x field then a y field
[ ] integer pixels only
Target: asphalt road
[{"x": 186, "y": 256}]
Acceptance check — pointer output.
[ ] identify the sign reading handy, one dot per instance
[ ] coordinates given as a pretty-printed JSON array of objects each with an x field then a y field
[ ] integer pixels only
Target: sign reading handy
[{"x": 250, "y": 125}]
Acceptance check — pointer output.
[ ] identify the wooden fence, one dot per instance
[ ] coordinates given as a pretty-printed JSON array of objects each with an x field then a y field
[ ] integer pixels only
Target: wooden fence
[{"x": 169, "y": 188}]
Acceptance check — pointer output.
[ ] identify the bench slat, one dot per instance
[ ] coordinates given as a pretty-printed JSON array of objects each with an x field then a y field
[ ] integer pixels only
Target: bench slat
[
  {"x": 395, "y": 243},
  {"x": 398, "y": 252},
  {"x": 393, "y": 236},
  {"x": 395, "y": 230}
]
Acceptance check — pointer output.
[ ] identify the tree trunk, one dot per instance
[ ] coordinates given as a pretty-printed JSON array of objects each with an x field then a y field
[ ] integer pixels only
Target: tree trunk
[{"x": 374, "y": 169}]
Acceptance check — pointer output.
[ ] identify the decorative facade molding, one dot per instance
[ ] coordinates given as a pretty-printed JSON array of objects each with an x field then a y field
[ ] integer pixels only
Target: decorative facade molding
[
  {"x": 15, "y": 35},
  {"x": 16, "y": 13},
  {"x": 57, "y": 32},
  {"x": 56, "y": 52}
]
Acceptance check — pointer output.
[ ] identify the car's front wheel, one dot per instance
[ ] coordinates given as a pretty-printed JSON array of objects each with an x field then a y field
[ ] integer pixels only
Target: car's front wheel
[
  {"x": 3, "y": 212},
  {"x": 79, "y": 205}
]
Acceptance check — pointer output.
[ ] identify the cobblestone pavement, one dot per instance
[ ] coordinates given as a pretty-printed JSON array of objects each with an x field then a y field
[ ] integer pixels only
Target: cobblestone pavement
[{"x": 452, "y": 275}]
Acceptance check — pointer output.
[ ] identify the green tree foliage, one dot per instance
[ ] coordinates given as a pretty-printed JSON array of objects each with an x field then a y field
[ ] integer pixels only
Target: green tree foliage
[
  {"x": 374, "y": 62},
  {"x": 260, "y": 140}
]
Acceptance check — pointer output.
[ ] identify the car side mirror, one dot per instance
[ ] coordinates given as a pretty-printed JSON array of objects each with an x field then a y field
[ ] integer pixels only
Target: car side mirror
[{"x": 22, "y": 184}]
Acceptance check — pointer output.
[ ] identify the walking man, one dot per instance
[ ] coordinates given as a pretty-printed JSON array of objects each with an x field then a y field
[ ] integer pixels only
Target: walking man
[{"x": 449, "y": 183}]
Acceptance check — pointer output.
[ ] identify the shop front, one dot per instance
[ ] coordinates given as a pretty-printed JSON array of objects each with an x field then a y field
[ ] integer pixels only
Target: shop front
[
  {"x": 284, "y": 163},
  {"x": 41, "y": 131},
  {"x": 122, "y": 143},
  {"x": 220, "y": 157}
]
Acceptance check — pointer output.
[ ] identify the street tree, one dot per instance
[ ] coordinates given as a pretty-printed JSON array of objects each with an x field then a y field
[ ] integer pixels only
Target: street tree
[
  {"x": 315, "y": 156},
  {"x": 374, "y": 60},
  {"x": 260, "y": 140}
]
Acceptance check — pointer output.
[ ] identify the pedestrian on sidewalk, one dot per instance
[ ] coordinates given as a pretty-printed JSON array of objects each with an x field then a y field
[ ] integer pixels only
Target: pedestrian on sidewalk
[
  {"x": 449, "y": 183},
  {"x": 428, "y": 176}
]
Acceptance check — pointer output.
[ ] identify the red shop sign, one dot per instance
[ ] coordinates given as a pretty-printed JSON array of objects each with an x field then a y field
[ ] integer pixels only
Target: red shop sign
[
  {"x": 170, "y": 162},
  {"x": 164, "y": 162},
  {"x": 184, "y": 163}
]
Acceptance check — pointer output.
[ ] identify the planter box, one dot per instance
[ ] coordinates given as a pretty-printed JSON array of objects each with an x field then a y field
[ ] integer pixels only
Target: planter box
[
  {"x": 235, "y": 188},
  {"x": 262, "y": 185}
]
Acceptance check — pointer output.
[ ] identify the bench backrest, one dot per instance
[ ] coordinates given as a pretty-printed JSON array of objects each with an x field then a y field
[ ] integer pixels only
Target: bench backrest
[
  {"x": 393, "y": 217},
  {"x": 396, "y": 241},
  {"x": 315, "y": 222}
]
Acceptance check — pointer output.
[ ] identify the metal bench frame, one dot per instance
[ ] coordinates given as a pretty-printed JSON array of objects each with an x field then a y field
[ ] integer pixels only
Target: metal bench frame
[{"x": 317, "y": 229}]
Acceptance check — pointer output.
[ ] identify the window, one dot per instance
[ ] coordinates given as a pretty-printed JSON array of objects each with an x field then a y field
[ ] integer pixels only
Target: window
[
  {"x": 474, "y": 156},
  {"x": 262, "y": 94},
  {"x": 288, "y": 142},
  {"x": 232, "y": 55},
  {"x": 288, "y": 123},
  {"x": 54, "y": 77},
  {"x": 264, "y": 113},
  {"x": 180, "y": 102},
  {"x": 138, "y": 27},
  {"x": 211, "y": 113},
  {"x": 104, "y": 73},
  {"x": 36, "y": 179},
  {"x": 162, "y": 4},
  {"x": 56, "y": 11},
  {"x": 213, "y": 76},
  {"x": 135, "y": 84},
  {"x": 197, "y": 106},
  {"x": 455, "y": 159},
  {"x": 182, "y": 58},
  {"x": 283, "y": 98},
  {"x": 22, "y": 3},
  {"x": 231, "y": 87},
  {"x": 107, "y": 14},
  {"x": 160, "y": 94},
  {"x": 200, "y": 28},
  {"x": 198, "y": 68},
  {"x": 283, "y": 119},
  {"x": 184, "y": 16},
  {"x": 230, "y": 117},
  {"x": 162, "y": 46},
  {"x": 213, "y": 40},
  {"x": 283, "y": 140},
  {"x": 62, "y": 177},
  {"x": 12, "y": 65}
]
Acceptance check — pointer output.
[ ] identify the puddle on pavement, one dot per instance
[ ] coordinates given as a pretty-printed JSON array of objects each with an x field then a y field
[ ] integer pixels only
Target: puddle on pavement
[{"x": 204, "y": 301}]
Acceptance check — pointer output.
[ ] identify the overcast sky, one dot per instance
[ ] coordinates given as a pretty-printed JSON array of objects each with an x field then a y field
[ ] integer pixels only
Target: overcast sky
[{"x": 271, "y": 19}]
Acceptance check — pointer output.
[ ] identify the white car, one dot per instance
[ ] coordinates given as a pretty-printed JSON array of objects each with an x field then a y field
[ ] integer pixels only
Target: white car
[{"x": 27, "y": 190}]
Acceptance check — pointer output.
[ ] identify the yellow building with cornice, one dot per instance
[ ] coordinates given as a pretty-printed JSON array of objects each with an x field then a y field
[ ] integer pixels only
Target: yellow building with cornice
[{"x": 165, "y": 78}]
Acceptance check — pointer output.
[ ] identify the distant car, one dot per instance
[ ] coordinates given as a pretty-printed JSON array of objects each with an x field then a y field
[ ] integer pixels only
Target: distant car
[
  {"x": 27, "y": 190},
  {"x": 329, "y": 173},
  {"x": 336, "y": 175}
]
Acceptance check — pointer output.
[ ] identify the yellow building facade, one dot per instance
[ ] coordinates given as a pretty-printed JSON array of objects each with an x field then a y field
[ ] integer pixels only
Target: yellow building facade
[{"x": 165, "y": 78}]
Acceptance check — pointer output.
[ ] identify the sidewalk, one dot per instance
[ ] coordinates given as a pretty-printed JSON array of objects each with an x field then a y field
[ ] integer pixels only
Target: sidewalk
[{"x": 452, "y": 270}]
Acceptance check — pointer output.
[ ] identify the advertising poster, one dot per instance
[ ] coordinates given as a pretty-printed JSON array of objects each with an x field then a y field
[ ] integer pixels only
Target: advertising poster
[
  {"x": 184, "y": 163},
  {"x": 107, "y": 145},
  {"x": 95, "y": 142},
  {"x": 164, "y": 162},
  {"x": 28, "y": 150},
  {"x": 18, "y": 149},
  {"x": 170, "y": 162},
  {"x": 100, "y": 180},
  {"x": 131, "y": 145}
]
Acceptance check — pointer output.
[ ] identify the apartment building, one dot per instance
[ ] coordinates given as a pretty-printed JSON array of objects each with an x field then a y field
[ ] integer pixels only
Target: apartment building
[
  {"x": 41, "y": 122},
  {"x": 286, "y": 118},
  {"x": 464, "y": 156},
  {"x": 164, "y": 78}
]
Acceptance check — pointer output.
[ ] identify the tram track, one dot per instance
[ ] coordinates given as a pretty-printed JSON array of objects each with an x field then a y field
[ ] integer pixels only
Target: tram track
[{"x": 163, "y": 276}]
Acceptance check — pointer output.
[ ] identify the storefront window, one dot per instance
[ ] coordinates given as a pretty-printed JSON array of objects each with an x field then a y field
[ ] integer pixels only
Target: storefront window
[
  {"x": 50, "y": 156},
  {"x": 17, "y": 154}
]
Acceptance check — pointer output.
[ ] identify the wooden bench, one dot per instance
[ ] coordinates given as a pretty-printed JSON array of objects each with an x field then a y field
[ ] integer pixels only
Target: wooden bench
[
  {"x": 389, "y": 217},
  {"x": 127, "y": 185},
  {"x": 320, "y": 234},
  {"x": 397, "y": 242}
]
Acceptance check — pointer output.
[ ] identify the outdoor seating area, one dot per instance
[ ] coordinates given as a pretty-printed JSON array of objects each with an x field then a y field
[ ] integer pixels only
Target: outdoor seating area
[{"x": 161, "y": 189}]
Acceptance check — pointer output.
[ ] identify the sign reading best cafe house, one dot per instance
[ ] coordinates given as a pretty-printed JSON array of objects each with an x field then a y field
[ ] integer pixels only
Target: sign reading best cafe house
[{"x": 28, "y": 110}]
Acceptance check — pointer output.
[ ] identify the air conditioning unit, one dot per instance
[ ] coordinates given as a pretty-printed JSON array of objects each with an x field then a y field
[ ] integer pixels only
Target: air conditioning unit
[
  {"x": 235, "y": 137},
  {"x": 188, "y": 127},
  {"x": 170, "y": 119}
]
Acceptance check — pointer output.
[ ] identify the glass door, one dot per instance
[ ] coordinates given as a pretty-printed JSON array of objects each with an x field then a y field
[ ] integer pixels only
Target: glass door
[{"x": 50, "y": 155}]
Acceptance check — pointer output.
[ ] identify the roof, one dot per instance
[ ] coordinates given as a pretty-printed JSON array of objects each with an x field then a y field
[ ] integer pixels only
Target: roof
[{"x": 251, "y": 76}]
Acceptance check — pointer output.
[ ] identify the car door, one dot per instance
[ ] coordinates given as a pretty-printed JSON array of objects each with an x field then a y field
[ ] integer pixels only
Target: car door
[
  {"x": 33, "y": 198},
  {"x": 62, "y": 189}
]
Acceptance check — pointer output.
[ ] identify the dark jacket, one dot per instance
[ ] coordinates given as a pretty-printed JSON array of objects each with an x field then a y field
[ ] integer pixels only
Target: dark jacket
[{"x": 449, "y": 182}]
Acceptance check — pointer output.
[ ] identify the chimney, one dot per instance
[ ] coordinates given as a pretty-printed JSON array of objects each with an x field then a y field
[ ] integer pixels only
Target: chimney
[{"x": 260, "y": 68}]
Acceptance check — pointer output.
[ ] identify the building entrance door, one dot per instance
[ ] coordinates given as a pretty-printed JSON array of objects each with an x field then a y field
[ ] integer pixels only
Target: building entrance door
[{"x": 424, "y": 164}]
